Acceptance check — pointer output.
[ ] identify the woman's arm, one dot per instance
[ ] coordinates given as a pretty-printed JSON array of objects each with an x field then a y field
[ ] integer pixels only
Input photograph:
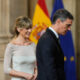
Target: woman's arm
[
  {"x": 7, "y": 59},
  {"x": 21, "y": 74},
  {"x": 35, "y": 72},
  {"x": 7, "y": 64}
]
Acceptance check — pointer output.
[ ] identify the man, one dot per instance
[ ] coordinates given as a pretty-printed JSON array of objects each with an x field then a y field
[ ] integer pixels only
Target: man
[{"x": 50, "y": 58}]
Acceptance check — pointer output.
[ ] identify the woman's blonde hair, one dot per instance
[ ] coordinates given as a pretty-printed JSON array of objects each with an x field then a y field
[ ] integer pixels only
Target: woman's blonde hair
[{"x": 22, "y": 22}]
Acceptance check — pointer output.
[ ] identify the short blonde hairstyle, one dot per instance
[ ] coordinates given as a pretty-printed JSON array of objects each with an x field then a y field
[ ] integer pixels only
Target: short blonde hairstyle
[{"x": 22, "y": 22}]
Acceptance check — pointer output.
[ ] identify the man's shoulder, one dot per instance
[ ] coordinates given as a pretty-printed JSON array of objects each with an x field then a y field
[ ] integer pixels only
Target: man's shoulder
[{"x": 45, "y": 39}]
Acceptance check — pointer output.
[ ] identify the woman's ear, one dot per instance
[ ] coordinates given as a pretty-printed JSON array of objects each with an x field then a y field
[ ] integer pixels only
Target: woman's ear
[{"x": 19, "y": 29}]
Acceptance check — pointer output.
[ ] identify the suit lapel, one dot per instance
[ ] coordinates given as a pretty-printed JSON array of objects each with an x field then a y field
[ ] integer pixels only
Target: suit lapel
[{"x": 54, "y": 37}]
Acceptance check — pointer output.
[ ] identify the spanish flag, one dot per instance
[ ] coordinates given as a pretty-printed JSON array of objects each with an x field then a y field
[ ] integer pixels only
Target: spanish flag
[{"x": 41, "y": 20}]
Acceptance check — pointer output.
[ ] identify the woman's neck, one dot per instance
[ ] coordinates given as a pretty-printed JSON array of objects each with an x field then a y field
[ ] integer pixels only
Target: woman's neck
[{"x": 20, "y": 39}]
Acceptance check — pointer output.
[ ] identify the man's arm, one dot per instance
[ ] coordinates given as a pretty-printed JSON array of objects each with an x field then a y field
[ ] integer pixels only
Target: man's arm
[{"x": 48, "y": 52}]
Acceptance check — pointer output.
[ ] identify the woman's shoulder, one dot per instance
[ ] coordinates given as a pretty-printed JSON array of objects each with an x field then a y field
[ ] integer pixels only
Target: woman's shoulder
[
  {"x": 9, "y": 46},
  {"x": 14, "y": 43},
  {"x": 11, "y": 43}
]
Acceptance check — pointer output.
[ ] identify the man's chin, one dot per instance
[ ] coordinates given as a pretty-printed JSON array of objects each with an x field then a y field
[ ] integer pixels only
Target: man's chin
[{"x": 63, "y": 34}]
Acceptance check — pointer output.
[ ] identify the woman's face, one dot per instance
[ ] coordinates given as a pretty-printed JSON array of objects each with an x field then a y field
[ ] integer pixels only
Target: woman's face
[{"x": 25, "y": 33}]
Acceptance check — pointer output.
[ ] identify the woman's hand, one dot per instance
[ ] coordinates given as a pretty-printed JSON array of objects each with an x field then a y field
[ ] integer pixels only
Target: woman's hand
[
  {"x": 29, "y": 76},
  {"x": 35, "y": 76}
]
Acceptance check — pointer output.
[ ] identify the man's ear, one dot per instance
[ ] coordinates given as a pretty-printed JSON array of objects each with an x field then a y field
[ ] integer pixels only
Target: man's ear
[{"x": 58, "y": 21}]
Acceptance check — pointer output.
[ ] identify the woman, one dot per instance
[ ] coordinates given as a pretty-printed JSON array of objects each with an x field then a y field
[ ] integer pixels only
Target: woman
[{"x": 20, "y": 52}]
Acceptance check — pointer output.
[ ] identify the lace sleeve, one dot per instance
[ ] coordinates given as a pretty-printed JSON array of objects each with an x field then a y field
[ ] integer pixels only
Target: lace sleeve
[{"x": 7, "y": 59}]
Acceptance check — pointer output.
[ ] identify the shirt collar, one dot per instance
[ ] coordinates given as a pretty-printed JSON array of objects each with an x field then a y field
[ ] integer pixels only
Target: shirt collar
[{"x": 54, "y": 32}]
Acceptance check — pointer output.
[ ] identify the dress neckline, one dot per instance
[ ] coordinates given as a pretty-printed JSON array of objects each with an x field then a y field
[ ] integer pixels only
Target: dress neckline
[{"x": 20, "y": 44}]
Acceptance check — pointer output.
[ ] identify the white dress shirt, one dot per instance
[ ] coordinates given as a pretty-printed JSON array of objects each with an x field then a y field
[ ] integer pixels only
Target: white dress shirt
[{"x": 56, "y": 34}]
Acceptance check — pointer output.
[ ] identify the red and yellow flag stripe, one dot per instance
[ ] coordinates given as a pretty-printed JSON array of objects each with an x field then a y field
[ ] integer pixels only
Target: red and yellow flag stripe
[{"x": 41, "y": 20}]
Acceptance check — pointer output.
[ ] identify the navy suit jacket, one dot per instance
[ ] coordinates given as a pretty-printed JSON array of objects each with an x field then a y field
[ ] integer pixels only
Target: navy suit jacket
[{"x": 50, "y": 58}]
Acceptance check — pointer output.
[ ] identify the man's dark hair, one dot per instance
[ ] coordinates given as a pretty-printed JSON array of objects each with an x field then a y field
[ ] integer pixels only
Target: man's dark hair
[{"x": 62, "y": 14}]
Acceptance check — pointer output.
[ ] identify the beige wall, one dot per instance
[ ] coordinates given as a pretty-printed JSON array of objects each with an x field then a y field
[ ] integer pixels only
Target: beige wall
[{"x": 78, "y": 37}]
